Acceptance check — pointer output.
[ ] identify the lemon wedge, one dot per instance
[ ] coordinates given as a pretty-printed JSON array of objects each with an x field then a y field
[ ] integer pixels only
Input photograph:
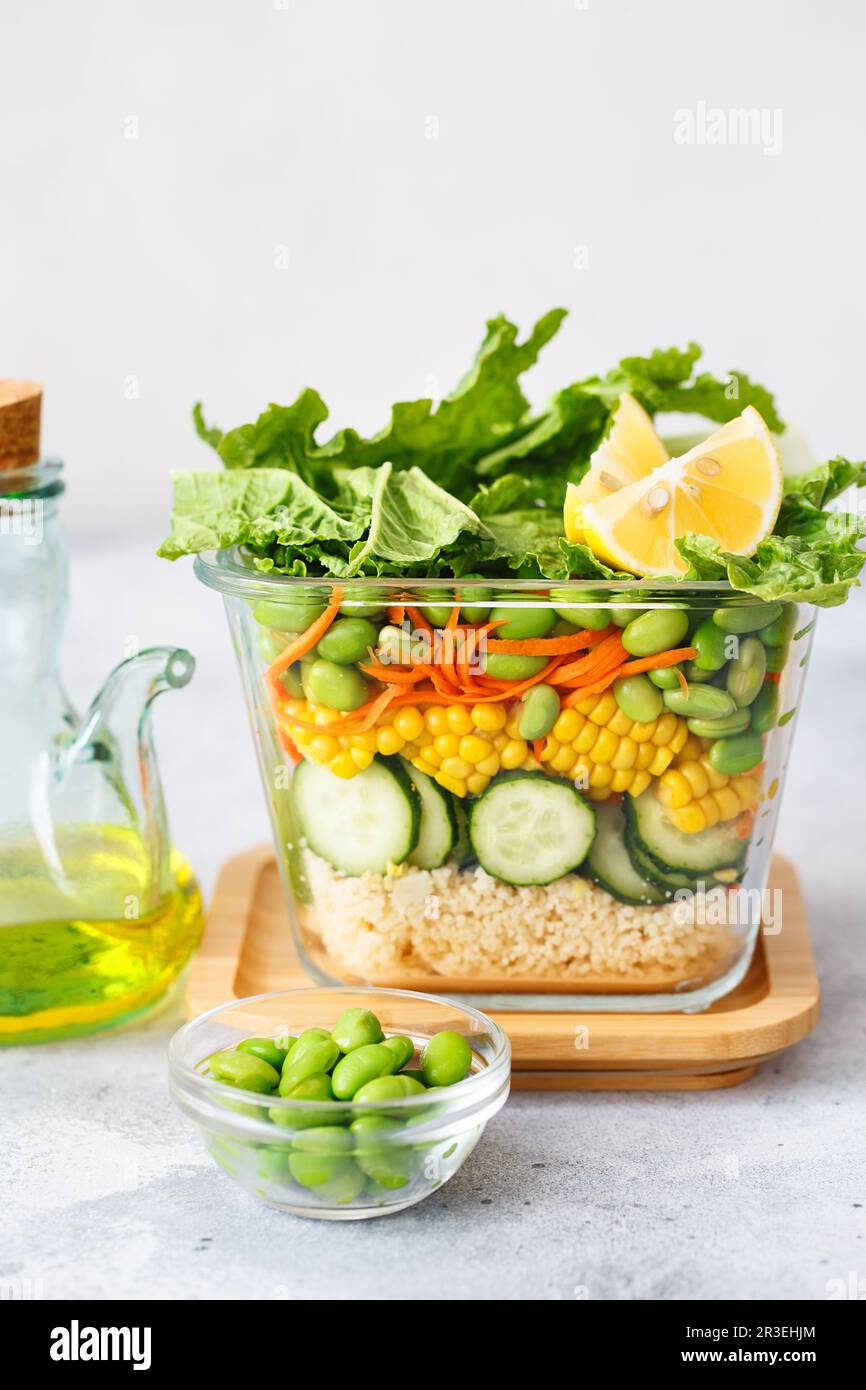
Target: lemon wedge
[
  {"x": 631, "y": 450},
  {"x": 728, "y": 487}
]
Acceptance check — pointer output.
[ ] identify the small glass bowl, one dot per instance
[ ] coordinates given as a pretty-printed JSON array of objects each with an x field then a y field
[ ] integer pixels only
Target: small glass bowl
[{"x": 252, "y": 1137}]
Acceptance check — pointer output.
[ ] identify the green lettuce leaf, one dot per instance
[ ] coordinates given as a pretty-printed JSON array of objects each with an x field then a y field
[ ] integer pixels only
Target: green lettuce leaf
[{"x": 827, "y": 481}]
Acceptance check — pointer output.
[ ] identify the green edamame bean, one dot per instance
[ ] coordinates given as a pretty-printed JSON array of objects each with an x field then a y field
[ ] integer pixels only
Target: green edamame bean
[
  {"x": 638, "y": 698},
  {"x": 304, "y": 1061},
  {"x": 348, "y": 640},
  {"x": 415, "y": 1074},
  {"x": 476, "y": 602},
  {"x": 388, "y": 1088},
  {"x": 437, "y": 614},
  {"x": 362, "y": 610},
  {"x": 588, "y": 613},
  {"x": 270, "y": 643},
  {"x": 390, "y": 1166},
  {"x": 655, "y": 631},
  {"x": 703, "y": 701},
  {"x": 520, "y": 624},
  {"x": 710, "y": 642},
  {"x": 402, "y": 1047},
  {"x": 308, "y": 1036},
  {"x": 765, "y": 710},
  {"x": 356, "y": 1028},
  {"x": 747, "y": 618},
  {"x": 340, "y": 687},
  {"x": 344, "y": 1188},
  {"x": 287, "y": 617},
  {"x": 665, "y": 678},
  {"x": 694, "y": 673},
  {"x": 292, "y": 682},
  {"x": 506, "y": 666},
  {"x": 735, "y": 723},
  {"x": 539, "y": 711},
  {"x": 737, "y": 754},
  {"x": 446, "y": 1059},
  {"x": 266, "y": 1048},
  {"x": 777, "y": 659},
  {"x": 621, "y": 617},
  {"x": 243, "y": 1070},
  {"x": 746, "y": 671},
  {"x": 781, "y": 630},
  {"x": 320, "y": 1155},
  {"x": 273, "y": 1164},
  {"x": 318, "y": 1088},
  {"x": 356, "y": 1068}
]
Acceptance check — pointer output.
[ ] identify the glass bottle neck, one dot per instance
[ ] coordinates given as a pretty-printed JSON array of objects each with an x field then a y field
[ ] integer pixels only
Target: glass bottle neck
[{"x": 33, "y": 576}]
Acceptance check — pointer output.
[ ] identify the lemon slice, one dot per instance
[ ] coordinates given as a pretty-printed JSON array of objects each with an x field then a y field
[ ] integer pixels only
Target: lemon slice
[
  {"x": 729, "y": 487},
  {"x": 631, "y": 450}
]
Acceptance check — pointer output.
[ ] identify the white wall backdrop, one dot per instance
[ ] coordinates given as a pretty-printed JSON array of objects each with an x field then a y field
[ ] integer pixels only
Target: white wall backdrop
[{"x": 423, "y": 165}]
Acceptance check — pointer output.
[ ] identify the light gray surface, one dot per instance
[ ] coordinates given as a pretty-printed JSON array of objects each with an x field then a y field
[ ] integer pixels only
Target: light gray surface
[{"x": 755, "y": 1192}]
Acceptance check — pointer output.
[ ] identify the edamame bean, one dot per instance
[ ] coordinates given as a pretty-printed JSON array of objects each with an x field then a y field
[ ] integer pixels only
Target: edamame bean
[
  {"x": 344, "y": 1188},
  {"x": 270, "y": 643},
  {"x": 735, "y": 723},
  {"x": 747, "y": 618},
  {"x": 638, "y": 698},
  {"x": 292, "y": 682},
  {"x": 266, "y": 1048},
  {"x": 781, "y": 630},
  {"x": 272, "y": 1164},
  {"x": 446, "y": 1059},
  {"x": 362, "y": 610},
  {"x": 621, "y": 617},
  {"x": 694, "y": 673},
  {"x": 308, "y": 1036},
  {"x": 589, "y": 613},
  {"x": 348, "y": 640},
  {"x": 655, "y": 631},
  {"x": 390, "y": 1165},
  {"x": 241, "y": 1069},
  {"x": 317, "y": 1088},
  {"x": 765, "y": 710},
  {"x": 476, "y": 602},
  {"x": 710, "y": 642},
  {"x": 357, "y": 1068},
  {"x": 777, "y": 659},
  {"x": 320, "y": 1155},
  {"x": 340, "y": 687},
  {"x": 665, "y": 678},
  {"x": 306, "y": 1060},
  {"x": 402, "y": 1047},
  {"x": 288, "y": 617},
  {"x": 539, "y": 711},
  {"x": 506, "y": 666},
  {"x": 356, "y": 1028},
  {"x": 520, "y": 624},
  {"x": 388, "y": 1088},
  {"x": 437, "y": 614},
  {"x": 415, "y": 1074},
  {"x": 746, "y": 671},
  {"x": 703, "y": 701},
  {"x": 737, "y": 754}
]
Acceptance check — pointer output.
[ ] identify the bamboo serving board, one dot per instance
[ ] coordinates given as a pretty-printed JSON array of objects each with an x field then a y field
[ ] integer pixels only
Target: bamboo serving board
[{"x": 248, "y": 949}]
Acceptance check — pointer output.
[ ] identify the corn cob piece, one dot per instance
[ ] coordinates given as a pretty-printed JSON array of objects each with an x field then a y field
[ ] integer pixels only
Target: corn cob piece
[{"x": 697, "y": 796}]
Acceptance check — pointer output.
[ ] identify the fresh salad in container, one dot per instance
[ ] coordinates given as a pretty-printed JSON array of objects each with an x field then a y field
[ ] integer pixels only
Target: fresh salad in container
[{"x": 523, "y": 682}]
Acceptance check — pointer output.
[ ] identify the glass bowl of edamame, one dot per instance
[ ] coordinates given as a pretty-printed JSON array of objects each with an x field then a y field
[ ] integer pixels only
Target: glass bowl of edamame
[
  {"x": 524, "y": 794},
  {"x": 340, "y": 1103}
]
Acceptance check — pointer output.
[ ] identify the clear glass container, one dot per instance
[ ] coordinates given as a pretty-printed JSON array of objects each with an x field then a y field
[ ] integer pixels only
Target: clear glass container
[
  {"x": 672, "y": 780},
  {"x": 97, "y": 913}
]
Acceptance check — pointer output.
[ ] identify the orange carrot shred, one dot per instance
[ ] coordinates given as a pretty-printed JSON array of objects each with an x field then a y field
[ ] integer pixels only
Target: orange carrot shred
[
  {"x": 684, "y": 685},
  {"x": 305, "y": 640},
  {"x": 654, "y": 663}
]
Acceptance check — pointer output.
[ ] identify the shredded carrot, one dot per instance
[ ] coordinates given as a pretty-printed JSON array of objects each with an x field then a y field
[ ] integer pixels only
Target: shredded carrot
[
  {"x": 464, "y": 660},
  {"x": 305, "y": 640},
  {"x": 596, "y": 661},
  {"x": 745, "y": 825},
  {"x": 655, "y": 663},
  {"x": 453, "y": 618},
  {"x": 538, "y": 747},
  {"x": 396, "y": 614},
  {"x": 289, "y": 747},
  {"x": 684, "y": 685},
  {"x": 774, "y": 676},
  {"x": 392, "y": 675},
  {"x": 550, "y": 646},
  {"x": 596, "y": 688},
  {"x": 417, "y": 619}
]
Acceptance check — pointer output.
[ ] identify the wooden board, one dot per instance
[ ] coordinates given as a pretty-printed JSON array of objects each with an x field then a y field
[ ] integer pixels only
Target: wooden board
[{"x": 248, "y": 949}]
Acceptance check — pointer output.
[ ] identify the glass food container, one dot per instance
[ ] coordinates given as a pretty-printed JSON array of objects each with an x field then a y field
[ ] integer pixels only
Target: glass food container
[{"x": 557, "y": 796}]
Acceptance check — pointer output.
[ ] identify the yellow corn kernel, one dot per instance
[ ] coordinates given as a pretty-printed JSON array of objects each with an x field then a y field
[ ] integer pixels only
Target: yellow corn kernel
[
  {"x": 586, "y": 738},
  {"x": 446, "y": 745},
  {"x": 639, "y": 783},
  {"x": 325, "y": 715},
  {"x": 580, "y": 773},
  {"x": 451, "y": 784},
  {"x": 409, "y": 722},
  {"x": 598, "y": 793},
  {"x": 388, "y": 741},
  {"x": 489, "y": 767},
  {"x": 710, "y": 810},
  {"x": 298, "y": 708},
  {"x": 727, "y": 801},
  {"x": 473, "y": 749},
  {"x": 691, "y": 750},
  {"x": 564, "y": 759},
  {"x": 625, "y": 756},
  {"x": 690, "y": 819},
  {"x": 344, "y": 765},
  {"x": 431, "y": 756},
  {"x": 715, "y": 779},
  {"x": 550, "y": 750},
  {"x": 476, "y": 783},
  {"x": 666, "y": 727},
  {"x": 531, "y": 764},
  {"x": 605, "y": 708},
  {"x": 567, "y": 726},
  {"x": 366, "y": 740},
  {"x": 747, "y": 788},
  {"x": 621, "y": 780},
  {"x": 323, "y": 748},
  {"x": 362, "y": 757},
  {"x": 678, "y": 741},
  {"x": 642, "y": 733},
  {"x": 489, "y": 718},
  {"x": 619, "y": 723},
  {"x": 645, "y": 754},
  {"x": 586, "y": 706},
  {"x": 674, "y": 790},
  {"x": 434, "y": 718},
  {"x": 605, "y": 747},
  {"x": 500, "y": 741},
  {"x": 661, "y": 762},
  {"x": 726, "y": 875},
  {"x": 459, "y": 719},
  {"x": 512, "y": 724},
  {"x": 424, "y": 766},
  {"x": 514, "y": 754},
  {"x": 457, "y": 767},
  {"x": 601, "y": 775},
  {"x": 696, "y": 778}
]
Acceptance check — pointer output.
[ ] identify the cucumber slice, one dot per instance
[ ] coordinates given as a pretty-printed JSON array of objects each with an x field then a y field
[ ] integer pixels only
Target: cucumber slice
[
  {"x": 610, "y": 865},
  {"x": 359, "y": 824},
  {"x": 438, "y": 833},
  {"x": 668, "y": 881},
  {"x": 462, "y": 847},
  {"x": 528, "y": 828},
  {"x": 718, "y": 847}
]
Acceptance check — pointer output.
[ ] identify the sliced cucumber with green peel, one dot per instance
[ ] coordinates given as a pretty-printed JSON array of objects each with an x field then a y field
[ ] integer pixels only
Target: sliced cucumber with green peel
[
  {"x": 438, "y": 832},
  {"x": 528, "y": 828},
  {"x": 609, "y": 863},
  {"x": 462, "y": 847},
  {"x": 717, "y": 847},
  {"x": 358, "y": 824},
  {"x": 668, "y": 881}
]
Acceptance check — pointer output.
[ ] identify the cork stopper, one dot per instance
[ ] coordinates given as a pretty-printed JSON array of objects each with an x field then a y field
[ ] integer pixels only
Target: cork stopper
[{"x": 20, "y": 418}]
